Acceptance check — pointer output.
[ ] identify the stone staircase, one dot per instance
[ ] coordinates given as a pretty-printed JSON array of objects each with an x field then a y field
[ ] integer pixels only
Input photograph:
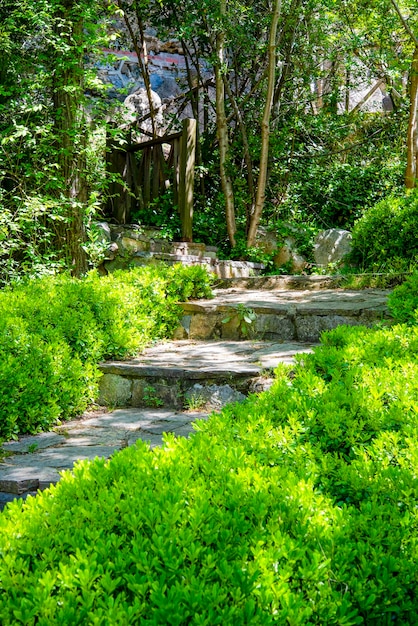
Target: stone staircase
[
  {"x": 134, "y": 245},
  {"x": 223, "y": 349},
  {"x": 236, "y": 340}
]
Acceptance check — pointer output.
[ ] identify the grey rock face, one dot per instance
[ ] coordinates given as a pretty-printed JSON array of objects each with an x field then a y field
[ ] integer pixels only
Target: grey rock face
[
  {"x": 213, "y": 396},
  {"x": 331, "y": 246},
  {"x": 114, "y": 390},
  {"x": 137, "y": 106},
  {"x": 289, "y": 254}
]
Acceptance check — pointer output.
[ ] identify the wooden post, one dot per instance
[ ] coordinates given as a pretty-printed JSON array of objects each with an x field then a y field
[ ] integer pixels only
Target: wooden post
[
  {"x": 186, "y": 178},
  {"x": 119, "y": 202},
  {"x": 147, "y": 176},
  {"x": 176, "y": 160}
]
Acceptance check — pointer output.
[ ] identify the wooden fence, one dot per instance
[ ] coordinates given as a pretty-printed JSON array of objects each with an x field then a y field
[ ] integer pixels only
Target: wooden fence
[{"x": 143, "y": 171}]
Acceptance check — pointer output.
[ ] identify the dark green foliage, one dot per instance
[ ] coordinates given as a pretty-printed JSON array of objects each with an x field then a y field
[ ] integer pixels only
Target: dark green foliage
[
  {"x": 54, "y": 331},
  {"x": 335, "y": 168},
  {"x": 297, "y": 507},
  {"x": 387, "y": 233},
  {"x": 336, "y": 195}
]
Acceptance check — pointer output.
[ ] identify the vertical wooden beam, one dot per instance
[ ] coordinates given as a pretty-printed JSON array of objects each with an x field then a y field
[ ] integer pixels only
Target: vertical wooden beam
[
  {"x": 155, "y": 172},
  {"x": 119, "y": 202},
  {"x": 186, "y": 178},
  {"x": 176, "y": 160},
  {"x": 147, "y": 176}
]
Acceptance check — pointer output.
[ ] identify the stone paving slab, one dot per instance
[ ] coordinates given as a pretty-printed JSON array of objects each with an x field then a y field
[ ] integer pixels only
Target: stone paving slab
[
  {"x": 280, "y": 315},
  {"x": 170, "y": 370},
  {"x": 37, "y": 442},
  {"x": 35, "y": 462},
  {"x": 326, "y": 301},
  {"x": 217, "y": 358},
  {"x": 282, "y": 282}
]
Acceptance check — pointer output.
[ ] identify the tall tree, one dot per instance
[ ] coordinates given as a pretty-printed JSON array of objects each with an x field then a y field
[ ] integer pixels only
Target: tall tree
[
  {"x": 42, "y": 109},
  {"x": 265, "y": 126},
  {"x": 68, "y": 47},
  {"x": 411, "y": 173}
]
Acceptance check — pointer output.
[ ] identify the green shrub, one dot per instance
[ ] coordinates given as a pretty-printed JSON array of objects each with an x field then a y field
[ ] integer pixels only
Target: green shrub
[
  {"x": 296, "y": 507},
  {"x": 40, "y": 381},
  {"x": 54, "y": 331},
  {"x": 387, "y": 233},
  {"x": 403, "y": 301}
]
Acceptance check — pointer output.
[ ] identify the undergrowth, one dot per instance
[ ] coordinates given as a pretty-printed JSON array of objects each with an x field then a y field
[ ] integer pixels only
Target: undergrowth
[{"x": 54, "y": 331}]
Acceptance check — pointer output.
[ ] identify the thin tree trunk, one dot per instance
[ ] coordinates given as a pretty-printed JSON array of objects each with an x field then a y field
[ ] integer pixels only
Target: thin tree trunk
[
  {"x": 265, "y": 127},
  {"x": 141, "y": 53},
  {"x": 222, "y": 131},
  {"x": 245, "y": 144},
  {"x": 411, "y": 173},
  {"x": 412, "y": 133}
]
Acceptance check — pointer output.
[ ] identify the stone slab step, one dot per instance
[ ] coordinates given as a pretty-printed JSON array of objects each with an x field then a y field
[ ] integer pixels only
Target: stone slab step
[
  {"x": 35, "y": 462},
  {"x": 284, "y": 282},
  {"x": 285, "y": 315},
  {"x": 170, "y": 373},
  {"x": 222, "y": 269}
]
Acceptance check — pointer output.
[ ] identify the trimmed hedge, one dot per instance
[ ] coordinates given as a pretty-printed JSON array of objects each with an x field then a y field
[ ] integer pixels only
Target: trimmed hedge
[
  {"x": 54, "y": 331},
  {"x": 297, "y": 507}
]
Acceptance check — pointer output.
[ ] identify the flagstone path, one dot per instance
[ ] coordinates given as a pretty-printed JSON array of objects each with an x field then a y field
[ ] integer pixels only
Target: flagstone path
[{"x": 211, "y": 350}]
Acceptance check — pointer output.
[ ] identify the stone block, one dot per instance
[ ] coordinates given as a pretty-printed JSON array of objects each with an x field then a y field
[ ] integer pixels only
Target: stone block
[
  {"x": 114, "y": 390},
  {"x": 230, "y": 329},
  {"x": 205, "y": 325},
  {"x": 310, "y": 327},
  {"x": 146, "y": 393},
  {"x": 275, "y": 327},
  {"x": 212, "y": 396}
]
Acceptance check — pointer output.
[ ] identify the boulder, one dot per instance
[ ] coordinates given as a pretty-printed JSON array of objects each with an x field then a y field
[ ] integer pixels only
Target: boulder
[
  {"x": 114, "y": 390},
  {"x": 331, "y": 246},
  {"x": 103, "y": 231},
  {"x": 266, "y": 240},
  {"x": 288, "y": 254},
  {"x": 212, "y": 396},
  {"x": 285, "y": 251},
  {"x": 137, "y": 107}
]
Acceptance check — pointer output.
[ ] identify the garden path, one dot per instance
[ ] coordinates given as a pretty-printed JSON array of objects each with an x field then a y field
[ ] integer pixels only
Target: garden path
[{"x": 215, "y": 347}]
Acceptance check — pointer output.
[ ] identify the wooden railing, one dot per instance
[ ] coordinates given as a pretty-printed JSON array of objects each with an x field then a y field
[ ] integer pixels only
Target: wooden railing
[{"x": 143, "y": 171}]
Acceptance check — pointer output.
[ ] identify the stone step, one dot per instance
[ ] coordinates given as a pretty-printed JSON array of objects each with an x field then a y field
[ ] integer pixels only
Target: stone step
[
  {"x": 222, "y": 269},
  {"x": 285, "y": 282},
  {"x": 185, "y": 373},
  {"x": 35, "y": 462},
  {"x": 286, "y": 315}
]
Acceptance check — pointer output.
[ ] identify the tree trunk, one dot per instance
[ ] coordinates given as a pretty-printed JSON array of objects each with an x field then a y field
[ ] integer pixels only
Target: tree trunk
[
  {"x": 246, "y": 148},
  {"x": 265, "y": 127},
  {"x": 222, "y": 131},
  {"x": 68, "y": 124},
  {"x": 411, "y": 173},
  {"x": 412, "y": 134}
]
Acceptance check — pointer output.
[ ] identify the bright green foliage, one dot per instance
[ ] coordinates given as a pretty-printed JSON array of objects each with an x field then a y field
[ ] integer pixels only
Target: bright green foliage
[
  {"x": 387, "y": 232},
  {"x": 53, "y": 332},
  {"x": 403, "y": 301},
  {"x": 296, "y": 507}
]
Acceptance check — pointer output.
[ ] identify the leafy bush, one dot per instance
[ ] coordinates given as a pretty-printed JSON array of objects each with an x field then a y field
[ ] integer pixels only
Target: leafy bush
[
  {"x": 335, "y": 195},
  {"x": 296, "y": 507},
  {"x": 387, "y": 232},
  {"x": 54, "y": 331},
  {"x": 403, "y": 301},
  {"x": 28, "y": 234}
]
